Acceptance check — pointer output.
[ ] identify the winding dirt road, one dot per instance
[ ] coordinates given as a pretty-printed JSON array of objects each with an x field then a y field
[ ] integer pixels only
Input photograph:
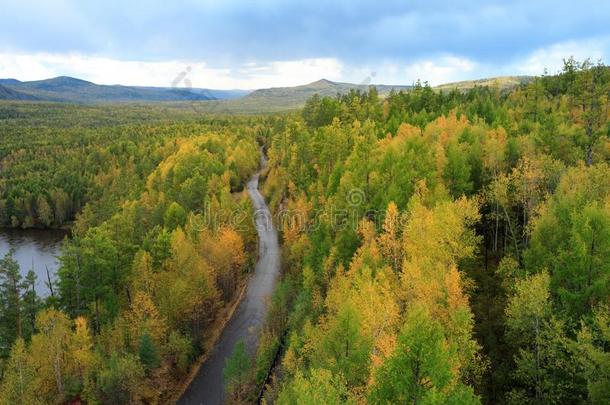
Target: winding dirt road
[{"x": 208, "y": 386}]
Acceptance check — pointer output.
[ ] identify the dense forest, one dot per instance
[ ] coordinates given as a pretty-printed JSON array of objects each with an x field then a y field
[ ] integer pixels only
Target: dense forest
[
  {"x": 154, "y": 253},
  {"x": 438, "y": 247},
  {"x": 445, "y": 247}
]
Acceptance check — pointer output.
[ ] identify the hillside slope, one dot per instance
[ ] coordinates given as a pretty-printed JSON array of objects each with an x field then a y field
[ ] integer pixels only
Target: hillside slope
[
  {"x": 501, "y": 82},
  {"x": 6, "y": 93},
  {"x": 69, "y": 89},
  {"x": 288, "y": 98}
]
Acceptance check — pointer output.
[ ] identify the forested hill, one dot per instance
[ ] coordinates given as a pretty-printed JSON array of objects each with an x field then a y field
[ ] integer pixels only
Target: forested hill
[
  {"x": 445, "y": 247},
  {"x": 297, "y": 95},
  {"x": 69, "y": 89},
  {"x": 6, "y": 93},
  {"x": 292, "y": 98},
  {"x": 501, "y": 82}
]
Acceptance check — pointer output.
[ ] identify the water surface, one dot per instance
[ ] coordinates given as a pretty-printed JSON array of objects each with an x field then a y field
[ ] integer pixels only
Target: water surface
[{"x": 34, "y": 248}]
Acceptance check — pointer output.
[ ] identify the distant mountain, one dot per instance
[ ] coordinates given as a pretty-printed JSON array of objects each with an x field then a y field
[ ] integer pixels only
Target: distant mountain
[
  {"x": 222, "y": 94},
  {"x": 6, "y": 93},
  {"x": 501, "y": 82},
  {"x": 69, "y": 89},
  {"x": 285, "y": 98},
  {"x": 9, "y": 81},
  {"x": 291, "y": 98}
]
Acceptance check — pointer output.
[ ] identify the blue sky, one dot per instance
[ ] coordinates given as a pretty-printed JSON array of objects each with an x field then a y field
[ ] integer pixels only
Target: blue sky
[{"x": 251, "y": 44}]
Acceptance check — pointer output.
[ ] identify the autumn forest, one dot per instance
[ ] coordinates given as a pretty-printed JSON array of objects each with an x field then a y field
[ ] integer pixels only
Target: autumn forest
[{"x": 437, "y": 247}]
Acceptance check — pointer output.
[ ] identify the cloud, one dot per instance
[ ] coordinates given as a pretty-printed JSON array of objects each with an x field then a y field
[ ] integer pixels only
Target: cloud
[
  {"x": 250, "y": 75},
  {"x": 436, "y": 69},
  {"x": 237, "y": 43},
  {"x": 104, "y": 70},
  {"x": 232, "y": 31},
  {"x": 551, "y": 57},
  {"x": 445, "y": 69}
]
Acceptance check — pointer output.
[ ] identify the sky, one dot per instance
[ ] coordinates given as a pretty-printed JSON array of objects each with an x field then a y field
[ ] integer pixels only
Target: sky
[{"x": 231, "y": 44}]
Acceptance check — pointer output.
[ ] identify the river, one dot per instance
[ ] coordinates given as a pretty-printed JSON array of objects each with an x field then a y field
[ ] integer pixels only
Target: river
[{"x": 37, "y": 248}]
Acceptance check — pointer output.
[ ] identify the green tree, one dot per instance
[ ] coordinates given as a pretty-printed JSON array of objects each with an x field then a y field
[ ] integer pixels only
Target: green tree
[
  {"x": 593, "y": 352},
  {"x": 571, "y": 238},
  {"x": 101, "y": 278},
  {"x": 420, "y": 370},
  {"x": 237, "y": 370},
  {"x": 11, "y": 303},
  {"x": 180, "y": 350},
  {"x": 343, "y": 349},
  {"x": 120, "y": 381},
  {"x": 18, "y": 383},
  {"x": 457, "y": 170},
  {"x": 545, "y": 370},
  {"x": 175, "y": 216},
  {"x": 31, "y": 303},
  {"x": 589, "y": 96},
  {"x": 45, "y": 213},
  {"x": 148, "y": 353},
  {"x": 320, "y": 387}
]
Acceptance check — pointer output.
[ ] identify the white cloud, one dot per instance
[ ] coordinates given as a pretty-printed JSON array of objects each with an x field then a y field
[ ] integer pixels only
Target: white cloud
[
  {"x": 551, "y": 57},
  {"x": 112, "y": 71},
  {"x": 436, "y": 70},
  {"x": 249, "y": 75},
  {"x": 442, "y": 70},
  {"x": 290, "y": 73}
]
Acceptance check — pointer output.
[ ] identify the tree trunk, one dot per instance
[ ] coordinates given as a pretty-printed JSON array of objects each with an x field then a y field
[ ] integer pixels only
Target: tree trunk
[
  {"x": 496, "y": 229},
  {"x": 58, "y": 377},
  {"x": 97, "y": 315},
  {"x": 49, "y": 281},
  {"x": 538, "y": 390},
  {"x": 589, "y": 154},
  {"x": 78, "y": 281}
]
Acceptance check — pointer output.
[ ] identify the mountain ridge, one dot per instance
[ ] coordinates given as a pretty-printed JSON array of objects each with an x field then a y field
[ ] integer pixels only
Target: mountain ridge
[
  {"x": 74, "y": 90},
  {"x": 6, "y": 93},
  {"x": 500, "y": 82}
]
